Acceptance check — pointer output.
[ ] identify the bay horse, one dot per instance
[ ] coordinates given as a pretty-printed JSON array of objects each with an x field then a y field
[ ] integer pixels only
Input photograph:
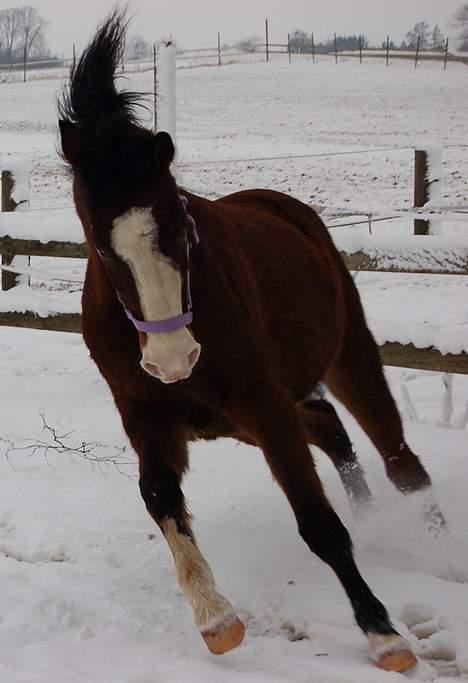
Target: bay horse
[{"x": 220, "y": 318}]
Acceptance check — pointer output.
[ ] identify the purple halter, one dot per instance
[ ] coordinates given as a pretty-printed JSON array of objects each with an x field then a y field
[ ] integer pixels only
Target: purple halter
[{"x": 178, "y": 321}]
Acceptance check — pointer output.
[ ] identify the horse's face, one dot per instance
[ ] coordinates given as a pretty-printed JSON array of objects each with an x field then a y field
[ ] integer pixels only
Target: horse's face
[{"x": 142, "y": 240}]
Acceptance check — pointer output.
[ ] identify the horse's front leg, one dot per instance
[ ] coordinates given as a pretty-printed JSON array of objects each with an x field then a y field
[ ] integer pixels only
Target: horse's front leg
[{"x": 162, "y": 450}]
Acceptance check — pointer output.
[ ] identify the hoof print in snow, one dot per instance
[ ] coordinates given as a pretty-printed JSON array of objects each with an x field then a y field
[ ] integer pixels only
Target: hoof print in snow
[
  {"x": 292, "y": 633},
  {"x": 434, "y": 645},
  {"x": 284, "y": 628}
]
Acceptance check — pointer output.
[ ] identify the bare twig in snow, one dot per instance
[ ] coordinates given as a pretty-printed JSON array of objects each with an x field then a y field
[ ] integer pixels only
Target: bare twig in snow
[{"x": 94, "y": 451}]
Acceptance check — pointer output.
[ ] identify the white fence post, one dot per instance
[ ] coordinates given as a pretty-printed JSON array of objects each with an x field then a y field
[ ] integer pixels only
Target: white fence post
[{"x": 166, "y": 97}]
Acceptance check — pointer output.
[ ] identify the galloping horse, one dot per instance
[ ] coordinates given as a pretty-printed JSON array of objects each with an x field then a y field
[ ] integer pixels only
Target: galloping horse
[{"x": 274, "y": 313}]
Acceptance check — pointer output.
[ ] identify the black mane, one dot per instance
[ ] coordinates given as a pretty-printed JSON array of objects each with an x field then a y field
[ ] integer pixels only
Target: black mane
[{"x": 115, "y": 151}]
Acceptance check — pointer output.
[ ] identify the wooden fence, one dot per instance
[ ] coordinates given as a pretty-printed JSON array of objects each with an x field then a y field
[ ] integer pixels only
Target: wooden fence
[{"x": 430, "y": 255}]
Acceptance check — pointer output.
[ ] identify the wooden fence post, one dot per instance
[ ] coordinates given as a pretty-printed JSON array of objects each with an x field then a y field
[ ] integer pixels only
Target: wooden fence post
[
  {"x": 417, "y": 52},
  {"x": 267, "y": 52},
  {"x": 313, "y": 48},
  {"x": 9, "y": 280},
  {"x": 421, "y": 189},
  {"x": 219, "y": 49},
  {"x": 360, "y": 49},
  {"x": 388, "y": 51},
  {"x": 289, "y": 47},
  {"x": 336, "y": 51},
  {"x": 446, "y": 54},
  {"x": 428, "y": 173}
]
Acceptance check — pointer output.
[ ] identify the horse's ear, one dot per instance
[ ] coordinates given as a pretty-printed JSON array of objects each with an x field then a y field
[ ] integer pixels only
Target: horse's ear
[
  {"x": 71, "y": 141},
  {"x": 163, "y": 151}
]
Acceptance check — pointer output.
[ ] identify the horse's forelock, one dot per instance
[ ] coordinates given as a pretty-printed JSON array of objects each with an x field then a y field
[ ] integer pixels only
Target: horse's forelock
[
  {"x": 91, "y": 93},
  {"x": 115, "y": 152}
]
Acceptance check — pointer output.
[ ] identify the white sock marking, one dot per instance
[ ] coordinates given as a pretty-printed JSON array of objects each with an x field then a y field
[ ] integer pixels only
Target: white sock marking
[{"x": 210, "y": 608}]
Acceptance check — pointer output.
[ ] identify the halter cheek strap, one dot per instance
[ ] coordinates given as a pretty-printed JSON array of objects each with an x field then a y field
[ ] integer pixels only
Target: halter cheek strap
[{"x": 184, "y": 319}]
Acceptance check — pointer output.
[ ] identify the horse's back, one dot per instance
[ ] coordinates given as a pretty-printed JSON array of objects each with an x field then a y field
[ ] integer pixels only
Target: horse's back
[
  {"x": 280, "y": 205},
  {"x": 299, "y": 275}
]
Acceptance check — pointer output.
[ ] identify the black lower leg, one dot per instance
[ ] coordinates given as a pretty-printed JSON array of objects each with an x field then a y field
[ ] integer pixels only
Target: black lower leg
[
  {"x": 326, "y": 431},
  {"x": 164, "y": 499},
  {"x": 326, "y": 536}
]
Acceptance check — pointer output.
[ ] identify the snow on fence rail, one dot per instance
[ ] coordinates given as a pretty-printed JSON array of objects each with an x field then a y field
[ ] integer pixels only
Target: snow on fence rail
[{"x": 58, "y": 233}]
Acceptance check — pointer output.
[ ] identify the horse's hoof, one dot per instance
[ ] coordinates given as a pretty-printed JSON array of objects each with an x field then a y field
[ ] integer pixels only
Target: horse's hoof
[
  {"x": 224, "y": 636},
  {"x": 391, "y": 652}
]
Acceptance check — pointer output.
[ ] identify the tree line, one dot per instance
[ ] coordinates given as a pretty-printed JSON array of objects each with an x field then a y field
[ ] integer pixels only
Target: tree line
[{"x": 429, "y": 38}]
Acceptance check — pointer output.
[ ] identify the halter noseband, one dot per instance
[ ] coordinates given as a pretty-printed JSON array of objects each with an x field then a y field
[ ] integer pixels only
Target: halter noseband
[{"x": 178, "y": 321}]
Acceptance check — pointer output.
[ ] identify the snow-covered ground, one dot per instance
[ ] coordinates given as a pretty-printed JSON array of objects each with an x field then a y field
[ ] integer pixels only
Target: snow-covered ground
[{"x": 89, "y": 593}]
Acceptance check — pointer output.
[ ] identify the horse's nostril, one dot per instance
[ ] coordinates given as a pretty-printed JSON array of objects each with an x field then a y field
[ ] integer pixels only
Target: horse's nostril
[{"x": 151, "y": 368}]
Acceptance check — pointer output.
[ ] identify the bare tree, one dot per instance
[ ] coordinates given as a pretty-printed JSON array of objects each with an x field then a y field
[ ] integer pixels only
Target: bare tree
[
  {"x": 32, "y": 26},
  {"x": 9, "y": 32},
  {"x": 137, "y": 47},
  {"x": 300, "y": 41},
  {"x": 421, "y": 30},
  {"x": 460, "y": 21},
  {"x": 250, "y": 44},
  {"x": 438, "y": 39}
]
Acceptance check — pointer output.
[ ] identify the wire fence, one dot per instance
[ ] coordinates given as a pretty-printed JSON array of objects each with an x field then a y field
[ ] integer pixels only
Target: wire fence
[{"x": 254, "y": 50}]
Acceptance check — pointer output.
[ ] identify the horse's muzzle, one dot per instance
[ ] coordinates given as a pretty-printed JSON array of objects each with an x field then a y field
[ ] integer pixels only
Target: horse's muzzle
[{"x": 170, "y": 362}]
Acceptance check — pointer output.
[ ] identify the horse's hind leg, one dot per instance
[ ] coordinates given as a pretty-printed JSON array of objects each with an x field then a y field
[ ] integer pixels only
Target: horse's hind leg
[
  {"x": 276, "y": 425},
  {"x": 326, "y": 431},
  {"x": 357, "y": 380},
  {"x": 162, "y": 451}
]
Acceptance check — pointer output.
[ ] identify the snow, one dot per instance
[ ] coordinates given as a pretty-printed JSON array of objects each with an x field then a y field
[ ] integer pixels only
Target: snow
[
  {"x": 62, "y": 225},
  {"x": 435, "y": 172},
  {"x": 89, "y": 593},
  {"x": 449, "y": 252},
  {"x": 424, "y": 310},
  {"x": 22, "y": 299}
]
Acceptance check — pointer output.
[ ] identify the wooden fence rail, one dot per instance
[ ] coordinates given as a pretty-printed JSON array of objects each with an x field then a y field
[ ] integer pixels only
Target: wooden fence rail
[{"x": 15, "y": 231}]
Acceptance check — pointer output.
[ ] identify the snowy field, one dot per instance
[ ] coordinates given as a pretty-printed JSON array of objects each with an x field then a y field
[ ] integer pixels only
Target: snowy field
[{"x": 89, "y": 593}]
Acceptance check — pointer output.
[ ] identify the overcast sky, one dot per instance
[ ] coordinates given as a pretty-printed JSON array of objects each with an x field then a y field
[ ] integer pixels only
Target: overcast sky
[{"x": 195, "y": 23}]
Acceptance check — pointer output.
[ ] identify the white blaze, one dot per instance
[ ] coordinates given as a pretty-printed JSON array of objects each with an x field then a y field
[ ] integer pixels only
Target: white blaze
[{"x": 159, "y": 285}]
